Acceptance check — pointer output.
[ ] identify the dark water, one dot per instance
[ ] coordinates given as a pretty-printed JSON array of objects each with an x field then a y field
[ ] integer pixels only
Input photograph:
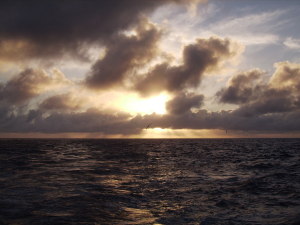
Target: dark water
[{"x": 237, "y": 181}]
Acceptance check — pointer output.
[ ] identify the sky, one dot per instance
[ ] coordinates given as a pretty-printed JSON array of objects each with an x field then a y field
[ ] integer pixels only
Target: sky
[{"x": 149, "y": 69}]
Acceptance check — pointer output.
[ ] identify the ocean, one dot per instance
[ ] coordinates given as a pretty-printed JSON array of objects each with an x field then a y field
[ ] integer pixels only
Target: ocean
[{"x": 150, "y": 181}]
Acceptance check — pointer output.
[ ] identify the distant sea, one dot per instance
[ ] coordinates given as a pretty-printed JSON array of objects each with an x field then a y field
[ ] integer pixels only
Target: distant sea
[{"x": 150, "y": 181}]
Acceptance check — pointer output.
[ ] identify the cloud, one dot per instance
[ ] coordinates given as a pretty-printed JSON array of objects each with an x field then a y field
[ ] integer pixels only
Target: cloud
[
  {"x": 91, "y": 120},
  {"x": 57, "y": 28},
  {"x": 25, "y": 50},
  {"x": 227, "y": 120},
  {"x": 242, "y": 87},
  {"x": 124, "y": 53},
  {"x": 30, "y": 83},
  {"x": 250, "y": 29},
  {"x": 270, "y": 106},
  {"x": 292, "y": 43},
  {"x": 286, "y": 76},
  {"x": 54, "y": 30},
  {"x": 248, "y": 22},
  {"x": 61, "y": 102},
  {"x": 280, "y": 94},
  {"x": 183, "y": 103},
  {"x": 98, "y": 121},
  {"x": 204, "y": 56},
  {"x": 270, "y": 101}
]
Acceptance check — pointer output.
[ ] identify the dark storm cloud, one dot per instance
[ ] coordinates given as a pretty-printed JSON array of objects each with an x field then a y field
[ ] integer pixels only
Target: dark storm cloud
[
  {"x": 203, "y": 56},
  {"x": 183, "y": 103},
  {"x": 28, "y": 84},
  {"x": 123, "y": 54},
  {"x": 280, "y": 94},
  {"x": 34, "y": 28}
]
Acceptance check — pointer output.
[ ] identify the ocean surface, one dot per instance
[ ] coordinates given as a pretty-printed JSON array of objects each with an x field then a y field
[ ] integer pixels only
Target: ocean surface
[{"x": 156, "y": 181}]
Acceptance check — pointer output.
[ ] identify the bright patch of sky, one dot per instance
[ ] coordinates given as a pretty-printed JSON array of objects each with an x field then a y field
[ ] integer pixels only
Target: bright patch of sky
[{"x": 268, "y": 30}]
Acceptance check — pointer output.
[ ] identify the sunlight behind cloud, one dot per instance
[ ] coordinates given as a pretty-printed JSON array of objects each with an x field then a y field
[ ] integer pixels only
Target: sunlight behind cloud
[
  {"x": 149, "y": 69},
  {"x": 135, "y": 104}
]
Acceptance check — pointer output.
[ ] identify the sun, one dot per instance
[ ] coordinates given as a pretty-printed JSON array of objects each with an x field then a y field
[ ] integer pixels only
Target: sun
[{"x": 136, "y": 104}]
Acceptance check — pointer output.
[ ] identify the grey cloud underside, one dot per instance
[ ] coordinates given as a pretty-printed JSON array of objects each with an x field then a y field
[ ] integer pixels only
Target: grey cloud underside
[
  {"x": 280, "y": 94},
  {"x": 28, "y": 84},
  {"x": 123, "y": 55},
  {"x": 91, "y": 120},
  {"x": 96, "y": 121},
  {"x": 198, "y": 58},
  {"x": 53, "y": 29},
  {"x": 227, "y": 120},
  {"x": 272, "y": 106},
  {"x": 242, "y": 87},
  {"x": 184, "y": 102},
  {"x": 43, "y": 29},
  {"x": 20, "y": 88},
  {"x": 60, "y": 102}
]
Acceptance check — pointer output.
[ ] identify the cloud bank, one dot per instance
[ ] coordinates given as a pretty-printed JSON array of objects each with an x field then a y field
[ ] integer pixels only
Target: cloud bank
[
  {"x": 273, "y": 106},
  {"x": 39, "y": 100}
]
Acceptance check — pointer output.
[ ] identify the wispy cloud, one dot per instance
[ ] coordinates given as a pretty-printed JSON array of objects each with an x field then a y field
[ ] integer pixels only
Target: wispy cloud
[
  {"x": 248, "y": 23},
  {"x": 250, "y": 29},
  {"x": 292, "y": 43}
]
